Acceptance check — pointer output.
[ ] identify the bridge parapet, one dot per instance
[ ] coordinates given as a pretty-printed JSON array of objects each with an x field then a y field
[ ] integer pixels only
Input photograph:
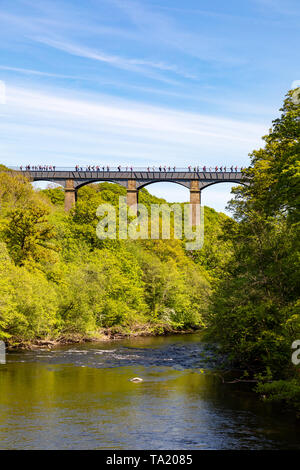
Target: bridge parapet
[
  {"x": 141, "y": 177},
  {"x": 133, "y": 180}
]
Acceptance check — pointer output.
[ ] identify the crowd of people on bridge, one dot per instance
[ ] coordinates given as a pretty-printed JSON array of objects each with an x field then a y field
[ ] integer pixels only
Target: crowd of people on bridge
[
  {"x": 160, "y": 168},
  {"x": 38, "y": 168}
]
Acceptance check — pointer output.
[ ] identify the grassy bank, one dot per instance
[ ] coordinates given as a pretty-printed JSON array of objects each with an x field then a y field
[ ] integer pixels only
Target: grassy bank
[{"x": 104, "y": 334}]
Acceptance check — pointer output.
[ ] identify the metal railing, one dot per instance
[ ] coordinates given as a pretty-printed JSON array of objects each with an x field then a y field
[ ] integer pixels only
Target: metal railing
[{"x": 126, "y": 169}]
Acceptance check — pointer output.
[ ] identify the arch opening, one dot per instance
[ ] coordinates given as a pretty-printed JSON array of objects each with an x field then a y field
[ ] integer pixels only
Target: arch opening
[
  {"x": 233, "y": 183},
  {"x": 45, "y": 184},
  {"x": 217, "y": 197},
  {"x": 88, "y": 183},
  {"x": 171, "y": 191}
]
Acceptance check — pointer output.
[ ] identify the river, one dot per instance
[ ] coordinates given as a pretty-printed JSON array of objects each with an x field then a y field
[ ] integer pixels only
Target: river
[{"x": 81, "y": 397}]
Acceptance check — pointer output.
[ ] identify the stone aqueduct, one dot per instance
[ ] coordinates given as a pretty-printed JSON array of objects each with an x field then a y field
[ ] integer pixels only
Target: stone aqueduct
[{"x": 134, "y": 180}]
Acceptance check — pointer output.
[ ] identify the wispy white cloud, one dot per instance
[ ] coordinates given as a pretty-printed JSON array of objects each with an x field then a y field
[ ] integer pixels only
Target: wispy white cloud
[
  {"x": 230, "y": 18},
  {"x": 53, "y": 20},
  {"x": 163, "y": 29},
  {"x": 43, "y": 29},
  {"x": 135, "y": 65},
  {"x": 27, "y": 23},
  {"x": 231, "y": 105},
  {"x": 224, "y": 62},
  {"x": 215, "y": 97},
  {"x": 36, "y": 72},
  {"x": 100, "y": 128},
  {"x": 128, "y": 114},
  {"x": 286, "y": 7}
]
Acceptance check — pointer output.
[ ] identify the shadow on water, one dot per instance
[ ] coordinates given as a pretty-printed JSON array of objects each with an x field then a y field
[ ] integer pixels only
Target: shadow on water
[{"x": 82, "y": 398}]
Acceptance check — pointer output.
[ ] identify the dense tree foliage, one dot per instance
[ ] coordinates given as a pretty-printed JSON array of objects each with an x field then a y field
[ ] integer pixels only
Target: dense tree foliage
[
  {"x": 256, "y": 308},
  {"x": 58, "y": 279}
]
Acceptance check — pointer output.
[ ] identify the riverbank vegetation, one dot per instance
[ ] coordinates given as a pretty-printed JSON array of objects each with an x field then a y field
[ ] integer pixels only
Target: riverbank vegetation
[
  {"x": 59, "y": 281},
  {"x": 255, "y": 312}
]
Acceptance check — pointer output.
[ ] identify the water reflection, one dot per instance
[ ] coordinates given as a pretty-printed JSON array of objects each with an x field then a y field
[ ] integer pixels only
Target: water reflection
[{"x": 82, "y": 398}]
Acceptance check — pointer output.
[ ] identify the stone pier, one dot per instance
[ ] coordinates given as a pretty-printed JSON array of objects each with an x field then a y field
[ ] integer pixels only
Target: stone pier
[
  {"x": 132, "y": 193},
  {"x": 134, "y": 180},
  {"x": 195, "y": 202},
  {"x": 70, "y": 195}
]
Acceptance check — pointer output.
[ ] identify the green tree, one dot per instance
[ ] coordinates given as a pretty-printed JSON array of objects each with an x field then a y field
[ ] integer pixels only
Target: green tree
[
  {"x": 256, "y": 303},
  {"x": 28, "y": 235}
]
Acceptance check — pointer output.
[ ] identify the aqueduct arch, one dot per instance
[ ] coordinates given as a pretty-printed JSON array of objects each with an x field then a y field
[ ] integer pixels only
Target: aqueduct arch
[{"x": 134, "y": 180}]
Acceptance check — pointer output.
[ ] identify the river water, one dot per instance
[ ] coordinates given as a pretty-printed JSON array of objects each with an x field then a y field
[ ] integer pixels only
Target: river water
[{"x": 82, "y": 398}]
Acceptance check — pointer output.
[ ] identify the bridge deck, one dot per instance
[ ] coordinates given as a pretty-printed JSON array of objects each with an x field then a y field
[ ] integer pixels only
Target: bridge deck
[
  {"x": 133, "y": 180},
  {"x": 141, "y": 176},
  {"x": 135, "y": 174}
]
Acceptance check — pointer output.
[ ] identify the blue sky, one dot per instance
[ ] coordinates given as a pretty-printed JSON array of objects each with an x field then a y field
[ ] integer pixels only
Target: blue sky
[{"x": 144, "y": 82}]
